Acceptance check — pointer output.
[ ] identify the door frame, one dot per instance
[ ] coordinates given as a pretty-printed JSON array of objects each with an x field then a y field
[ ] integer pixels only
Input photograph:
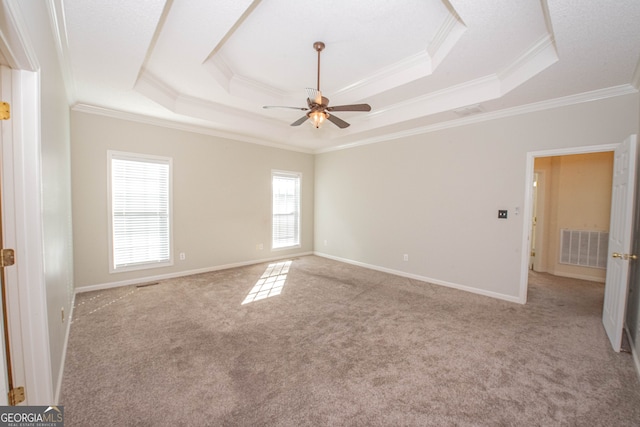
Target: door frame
[
  {"x": 528, "y": 203},
  {"x": 538, "y": 264},
  {"x": 22, "y": 197},
  {"x": 535, "y": 209}
]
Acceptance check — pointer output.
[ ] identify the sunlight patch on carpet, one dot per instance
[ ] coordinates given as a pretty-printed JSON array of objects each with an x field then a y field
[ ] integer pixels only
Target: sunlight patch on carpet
[
  {"x": 270, "y": 283},
  {"x": 95, "y": 309}
]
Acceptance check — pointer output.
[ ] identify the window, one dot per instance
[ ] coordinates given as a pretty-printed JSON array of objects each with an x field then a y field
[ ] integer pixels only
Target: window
[
  {"x": 286, "y": 209},
  {"x": 140, "y": 210}
]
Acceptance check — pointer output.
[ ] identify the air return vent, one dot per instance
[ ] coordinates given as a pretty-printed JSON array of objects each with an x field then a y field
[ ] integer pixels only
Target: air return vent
[
  {"x": 469, "y": 110},
  {"x": 584, "y": 248}
]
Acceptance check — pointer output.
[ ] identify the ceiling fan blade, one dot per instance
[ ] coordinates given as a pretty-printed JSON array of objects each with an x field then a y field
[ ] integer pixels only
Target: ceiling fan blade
[
  {"x": 282, "y": 106},
  {"x": 300, "y": 121},
  {"x": 315, "y": 95},
  {"x": 336, "y": 121},
  {"x": 353, "y": 107}
]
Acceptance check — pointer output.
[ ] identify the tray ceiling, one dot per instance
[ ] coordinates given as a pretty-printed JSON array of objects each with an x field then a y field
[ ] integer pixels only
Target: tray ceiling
[{"x": 211, "y": 65}]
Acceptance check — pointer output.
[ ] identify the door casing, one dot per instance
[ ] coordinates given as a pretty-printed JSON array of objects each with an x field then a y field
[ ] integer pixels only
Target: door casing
[
  {"x": 528, "y": 204},
  {"x": 22, "y": 191}
]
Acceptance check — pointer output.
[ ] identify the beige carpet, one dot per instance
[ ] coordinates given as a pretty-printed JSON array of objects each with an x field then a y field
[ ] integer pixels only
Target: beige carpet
[{"x": 340, "y": 345}]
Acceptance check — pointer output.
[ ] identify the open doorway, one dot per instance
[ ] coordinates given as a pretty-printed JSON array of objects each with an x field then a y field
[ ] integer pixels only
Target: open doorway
[
  {"x": 571, "y": 208},
  {"x": 528, "y": 206},
  {"x": 620, "y": 230}
]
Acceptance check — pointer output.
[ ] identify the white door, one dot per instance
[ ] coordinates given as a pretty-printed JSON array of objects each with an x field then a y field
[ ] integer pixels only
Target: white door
[{"x": 620, "y": 238}]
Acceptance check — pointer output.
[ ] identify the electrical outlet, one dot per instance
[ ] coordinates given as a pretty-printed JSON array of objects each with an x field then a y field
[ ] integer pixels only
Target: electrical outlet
[
  {"x": 406, "y": 257},
  {"x": 259, "y": 246},
  {"x": 183, "y": 256},
  {"x": 502, "y": 214}
]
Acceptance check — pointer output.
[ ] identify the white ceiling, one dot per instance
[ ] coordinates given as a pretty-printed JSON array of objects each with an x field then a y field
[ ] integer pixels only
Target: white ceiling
[{"x": 421, "y": 64}]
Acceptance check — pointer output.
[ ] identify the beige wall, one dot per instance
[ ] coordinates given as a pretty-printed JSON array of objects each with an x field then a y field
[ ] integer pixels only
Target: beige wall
[
  {"x": 221, "y": 196},
  {"x": 436, "y": 196},
  {"x": 575, "y": 193}
]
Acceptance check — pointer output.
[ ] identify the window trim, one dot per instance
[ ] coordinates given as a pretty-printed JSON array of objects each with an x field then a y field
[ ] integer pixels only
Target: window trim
[
  {"x": 298, "y": 175},
  {"x": 111, "y": 154}
]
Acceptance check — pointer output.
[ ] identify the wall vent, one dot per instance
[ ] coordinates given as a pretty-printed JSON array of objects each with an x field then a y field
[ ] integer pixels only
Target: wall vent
[
  {"x": 469, "y": 110},
  {"x": 584, "y": 248}
]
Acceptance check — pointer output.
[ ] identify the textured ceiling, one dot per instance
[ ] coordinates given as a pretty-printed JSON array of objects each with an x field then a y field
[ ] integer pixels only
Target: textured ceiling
[{"x": 212, "y": 65}]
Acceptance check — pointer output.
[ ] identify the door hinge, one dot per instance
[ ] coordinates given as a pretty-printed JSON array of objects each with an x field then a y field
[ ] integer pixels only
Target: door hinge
[
  {"x": 16, "y": 396},
  {"x": 7, "y": 257},
  {"x": 5, "y": 111}
]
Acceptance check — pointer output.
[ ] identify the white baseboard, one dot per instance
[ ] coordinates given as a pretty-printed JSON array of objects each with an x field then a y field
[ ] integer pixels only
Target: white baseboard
[
  {"x": 147, "y": 279},
  {"x": 578, "y": 276},
  {"x": 483, "y": 292}
]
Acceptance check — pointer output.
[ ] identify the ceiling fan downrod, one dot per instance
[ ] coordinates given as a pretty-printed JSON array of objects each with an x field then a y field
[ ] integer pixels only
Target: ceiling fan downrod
[{"x": 319, "y": 47}]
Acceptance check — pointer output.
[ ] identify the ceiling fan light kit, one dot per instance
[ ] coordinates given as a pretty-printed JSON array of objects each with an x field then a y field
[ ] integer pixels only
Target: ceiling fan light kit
[
  {"x": 317, "y": 118},
  {"x": 318, "y": 106}
]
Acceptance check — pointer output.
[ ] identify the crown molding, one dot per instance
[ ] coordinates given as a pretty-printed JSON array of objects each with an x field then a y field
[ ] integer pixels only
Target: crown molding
[
  {"x": 170, "y": 124},
  {"x": 472, "y": 92},
  {"x": 446, "y": 38},
  {"x": 565, "y": 101},
  {"x": 595, "y": 95},
  {"x": 155, "y": 89},
  {"x": 404, "y": 71},
  {"x": 15, "y": 43},
  {"x": 529, "y": 63},
  {"x": 219, "y": 68},
  {"x": 227, "y": 116},
  {"x": 419, "y": 65},
  {"x": 240, "y": 86},
  {"x": 158, "y": 91},
  {"x": 541, "y": 55},
  {"x": 413, "y": 67},
  {"x": 529, "y": 108},
  {"x": 59, "y": 27},
  {"x": 253, "y": 90},
  {"x": 409, "y": 69}
]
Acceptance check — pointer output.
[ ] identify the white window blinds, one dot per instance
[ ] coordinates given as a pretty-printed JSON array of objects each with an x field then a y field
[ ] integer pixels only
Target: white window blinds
[
  {"x": 286, "y": 209},
  {"x": 140, "y": 211}
]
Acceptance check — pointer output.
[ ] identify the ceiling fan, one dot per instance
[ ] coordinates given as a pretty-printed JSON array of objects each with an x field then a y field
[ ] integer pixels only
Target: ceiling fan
[{"x": 318, "y": 106}]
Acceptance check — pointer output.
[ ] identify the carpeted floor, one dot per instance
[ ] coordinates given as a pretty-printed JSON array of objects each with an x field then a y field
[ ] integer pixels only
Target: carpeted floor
[{"x": 339, "y": 345}]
